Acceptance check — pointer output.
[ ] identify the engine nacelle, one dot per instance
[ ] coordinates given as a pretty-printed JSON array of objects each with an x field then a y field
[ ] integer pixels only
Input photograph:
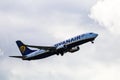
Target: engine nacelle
[{"x": 74, "y": 49}]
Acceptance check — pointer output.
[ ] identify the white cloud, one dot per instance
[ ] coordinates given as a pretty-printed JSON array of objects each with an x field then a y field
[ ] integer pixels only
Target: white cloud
[
  {"x": 47, "y": 22},
  {"x": 48, "y": 69},
  {"x": 40, "y": 23},
  {"x": 106, "y": 13}
]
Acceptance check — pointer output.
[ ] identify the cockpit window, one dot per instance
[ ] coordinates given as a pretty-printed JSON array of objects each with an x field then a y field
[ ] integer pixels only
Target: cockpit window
[{"x": 91, "y": 33}]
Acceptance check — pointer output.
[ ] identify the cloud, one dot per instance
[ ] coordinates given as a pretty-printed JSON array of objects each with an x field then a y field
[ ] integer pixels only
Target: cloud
[
  {"x": 40, "y": 19},
  {"x": 40, "y": 23},
  {"x": 46, "y": 23},
  {"x": 106, "y": 13},
  {"x": 43, "y": 69},
  {"x": 1, "y": 52}
]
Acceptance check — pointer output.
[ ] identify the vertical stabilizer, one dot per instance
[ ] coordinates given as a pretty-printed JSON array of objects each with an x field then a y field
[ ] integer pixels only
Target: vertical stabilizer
[{"x": 23, "y": 48}]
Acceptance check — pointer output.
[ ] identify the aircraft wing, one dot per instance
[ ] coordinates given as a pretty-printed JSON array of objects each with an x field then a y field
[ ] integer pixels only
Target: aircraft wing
[{"x": 43, "y": 47}]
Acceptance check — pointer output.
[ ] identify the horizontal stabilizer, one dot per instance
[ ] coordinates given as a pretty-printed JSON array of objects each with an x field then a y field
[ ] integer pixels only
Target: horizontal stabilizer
[{"x": 16, "y": 56}]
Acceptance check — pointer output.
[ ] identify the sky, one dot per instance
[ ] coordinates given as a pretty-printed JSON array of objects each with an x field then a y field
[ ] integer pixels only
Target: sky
[{"x": 46, "y": 22}]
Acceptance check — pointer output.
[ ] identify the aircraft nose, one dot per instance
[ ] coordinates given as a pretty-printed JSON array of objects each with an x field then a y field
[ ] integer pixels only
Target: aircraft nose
[{"x": 96, "y": 35}]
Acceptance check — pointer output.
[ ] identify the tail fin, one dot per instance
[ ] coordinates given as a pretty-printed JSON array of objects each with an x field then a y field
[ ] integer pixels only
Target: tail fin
[{"x": 23, "y": 48}]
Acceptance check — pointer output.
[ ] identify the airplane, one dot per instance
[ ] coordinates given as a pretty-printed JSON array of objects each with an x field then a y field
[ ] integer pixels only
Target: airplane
[{"x": 69, "y": 45}]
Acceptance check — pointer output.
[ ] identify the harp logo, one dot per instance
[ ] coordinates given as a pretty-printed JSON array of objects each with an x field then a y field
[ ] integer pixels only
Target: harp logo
[{"x": 22, "y": 49}]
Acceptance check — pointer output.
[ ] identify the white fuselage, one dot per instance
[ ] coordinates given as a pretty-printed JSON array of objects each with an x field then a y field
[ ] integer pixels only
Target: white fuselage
[{"x": 66, "y": 42}]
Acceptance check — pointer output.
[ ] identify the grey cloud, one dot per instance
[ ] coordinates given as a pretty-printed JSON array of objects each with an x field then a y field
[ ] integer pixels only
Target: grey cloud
[{"x": 48, "y": 22}]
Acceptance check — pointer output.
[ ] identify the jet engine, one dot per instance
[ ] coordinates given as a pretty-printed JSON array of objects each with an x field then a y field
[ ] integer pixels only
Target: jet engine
[{"x": 74, "y": 49}]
